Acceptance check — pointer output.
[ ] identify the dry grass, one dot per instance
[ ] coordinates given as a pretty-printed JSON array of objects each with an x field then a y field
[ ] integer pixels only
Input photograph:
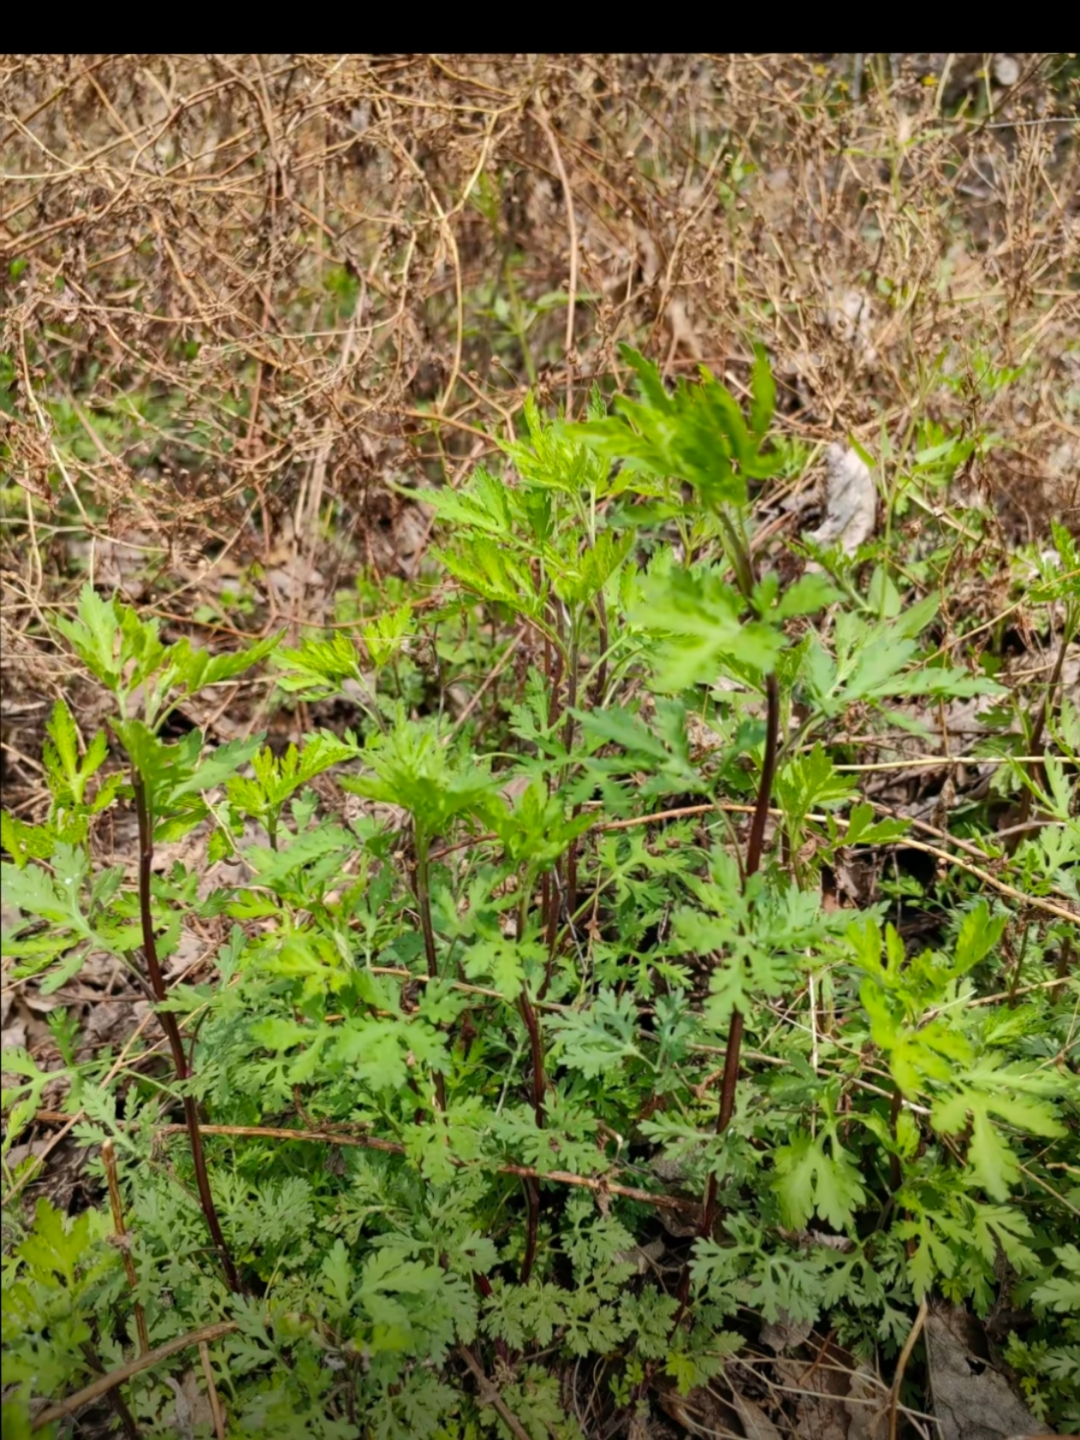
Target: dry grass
[{"x": 244, "y": 292}]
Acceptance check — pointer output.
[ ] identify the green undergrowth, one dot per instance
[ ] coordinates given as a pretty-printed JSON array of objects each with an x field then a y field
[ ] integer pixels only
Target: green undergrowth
[{"x": 563, "y": 981}]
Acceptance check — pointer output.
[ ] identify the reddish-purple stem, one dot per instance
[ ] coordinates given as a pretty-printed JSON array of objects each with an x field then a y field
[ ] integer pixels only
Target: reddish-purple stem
[
  {"x": 172, "y": 1032},
  {"x": 754, "y": 848}
]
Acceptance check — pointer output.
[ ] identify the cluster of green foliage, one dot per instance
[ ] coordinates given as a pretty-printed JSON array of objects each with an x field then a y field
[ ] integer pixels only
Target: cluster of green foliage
[{"x": 489, "y": 994}]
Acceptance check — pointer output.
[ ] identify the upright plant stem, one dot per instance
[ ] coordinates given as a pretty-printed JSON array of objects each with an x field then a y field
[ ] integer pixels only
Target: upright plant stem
[
  {"x": 568, "y": 743},
  {"x": 549, "y": 911},
  {"x": 896, "y": 1172},
  {"x": 532, "y": 1229},
  {"x": 602, "y": 673},
  {"x": 756, "y": 843},
  {"x": 754, "y": 848},
  {"x": 528, "y": 1013},
  {"x": 172, "y": 1031},
  {"x": 536, "y": 1047},
  {"x": 550, "y": 893},
  {"x": 423, "y": 900},
  {"x": 532, "y": 1025},
  {"x": 108, "y": 1155}
]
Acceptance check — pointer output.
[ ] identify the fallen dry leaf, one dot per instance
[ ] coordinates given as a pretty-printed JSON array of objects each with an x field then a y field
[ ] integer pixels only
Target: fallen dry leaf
[
  {"x": 972, "y": 1400},
  {"x": 850, "y": 502}
]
